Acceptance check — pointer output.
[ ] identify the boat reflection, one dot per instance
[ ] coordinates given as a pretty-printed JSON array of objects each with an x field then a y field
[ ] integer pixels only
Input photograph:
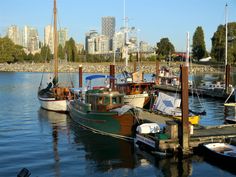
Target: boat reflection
[
  {"x": 171, "y": 166},
  {"x": 230, "y": 113},
  {"x": 105, "y": 152},
  {"x": 58, "y": 122}
]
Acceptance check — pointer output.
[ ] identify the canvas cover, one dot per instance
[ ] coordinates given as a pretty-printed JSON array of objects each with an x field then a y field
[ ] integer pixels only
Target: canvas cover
[{"x": 167, "y": 104}]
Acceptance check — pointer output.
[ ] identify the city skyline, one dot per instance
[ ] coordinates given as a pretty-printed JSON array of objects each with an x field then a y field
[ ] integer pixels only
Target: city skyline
[{"x": 155, "y": 19}]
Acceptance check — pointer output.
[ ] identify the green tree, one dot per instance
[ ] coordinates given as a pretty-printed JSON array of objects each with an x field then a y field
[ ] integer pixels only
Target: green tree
[
  {"x": 218, "y": 43},
  {"x": 30, "y": 57},
  {"x": 38, "y": 58},
  {"x": 70, "y": 50},
  {"x": 61, "y": 53},
  {"x": 45, "y": 53},
  {"x": 198, "y": 47},
  {"x": 164, "y": 48},
  {"x": 9, "y": 52}
]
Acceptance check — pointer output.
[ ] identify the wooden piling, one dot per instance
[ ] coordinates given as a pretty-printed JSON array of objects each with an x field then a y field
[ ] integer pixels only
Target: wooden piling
[
  {"x": 112, "y": 73},
  {"x": 157, "y": 71},
  {"x": 135, "y": 62},
  {"x": 80, "y": 76},
  {"x": 184, "y": 134}
]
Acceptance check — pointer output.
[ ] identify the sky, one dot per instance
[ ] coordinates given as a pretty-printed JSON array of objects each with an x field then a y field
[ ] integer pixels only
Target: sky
[{"x": 155, "y": 19}]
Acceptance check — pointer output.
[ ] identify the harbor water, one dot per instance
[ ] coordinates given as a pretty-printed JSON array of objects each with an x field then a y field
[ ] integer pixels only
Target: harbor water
[{"x": 50, "y": 144}]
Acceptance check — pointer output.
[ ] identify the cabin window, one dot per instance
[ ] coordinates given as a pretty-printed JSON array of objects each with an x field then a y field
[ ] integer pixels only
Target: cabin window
[
  {"x": 120, "y": 100},
  {"x": 87, "y": 99},
  {"x": 106, "y": 100},
  {"x": 100, "y": 100},
  {"x": 114, "y": 100}
]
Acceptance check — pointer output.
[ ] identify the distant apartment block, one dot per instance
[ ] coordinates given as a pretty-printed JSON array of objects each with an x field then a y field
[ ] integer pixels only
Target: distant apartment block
[
  {"x": 48, "y": 37},
  {"x": 108, "y": 28},
  {"x": 30, "y": 39},
  {"x": 118, "y": 41},
  {"x": 145, "y": 47},
  {"x": 80, "y": 47},
  {"x": 89, "y": 38},
  {"x": 14, "y": 33},
  {"x": 62, "y": 36},
  {"x": 98, "y": 44}
]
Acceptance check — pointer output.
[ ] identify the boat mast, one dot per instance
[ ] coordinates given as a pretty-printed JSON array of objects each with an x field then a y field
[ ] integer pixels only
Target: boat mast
[
  {"x": 125, "y": 47},
  {"x": 226, "y": 35},
  {"x": 187, "y": 51},
  {"x": 55, "y": 42}
]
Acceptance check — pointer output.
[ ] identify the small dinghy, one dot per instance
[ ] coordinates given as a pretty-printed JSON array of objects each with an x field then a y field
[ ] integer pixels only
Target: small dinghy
[{"x": 221, "y": 152}]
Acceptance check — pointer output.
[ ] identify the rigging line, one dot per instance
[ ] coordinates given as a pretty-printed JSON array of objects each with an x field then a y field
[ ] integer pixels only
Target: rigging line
[{"x": 229, "y": 95}]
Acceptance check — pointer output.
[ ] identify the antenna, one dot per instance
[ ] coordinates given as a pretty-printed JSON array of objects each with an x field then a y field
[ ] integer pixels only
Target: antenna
[{"x": 124, "y": 14}]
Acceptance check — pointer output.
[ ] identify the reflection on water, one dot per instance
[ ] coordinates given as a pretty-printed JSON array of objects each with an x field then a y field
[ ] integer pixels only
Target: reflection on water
[
  {"x": 58, "y": 122},
  {"x": 108, "y": 152},
  {"x": 50, "y": 144},
  {"x": 230, "y": 113}
]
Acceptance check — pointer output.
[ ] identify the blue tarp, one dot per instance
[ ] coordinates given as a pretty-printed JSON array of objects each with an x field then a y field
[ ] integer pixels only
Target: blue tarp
[{"x": 97, "y": 76}]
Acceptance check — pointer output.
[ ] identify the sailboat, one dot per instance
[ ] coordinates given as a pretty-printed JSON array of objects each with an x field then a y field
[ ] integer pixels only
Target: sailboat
[
  {"x": 219, "y": 88},
  {"x": 54, "y": 97},
  {"x": 170, "y": 105}
]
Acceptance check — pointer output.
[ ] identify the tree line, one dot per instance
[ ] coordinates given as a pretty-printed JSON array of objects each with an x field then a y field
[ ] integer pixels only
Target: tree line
[
  {"x": 9, "y": 52},
  {"x": 165, "y": 48}
]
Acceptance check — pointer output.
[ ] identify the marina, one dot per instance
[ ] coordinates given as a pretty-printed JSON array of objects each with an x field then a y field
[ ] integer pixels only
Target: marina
[
  {"x": 117, "y": 105},
  {"x": 45, "y": 142}
]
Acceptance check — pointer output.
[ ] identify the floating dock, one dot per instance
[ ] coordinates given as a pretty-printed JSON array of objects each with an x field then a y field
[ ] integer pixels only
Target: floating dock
[
  {"x": 216, "y": 93},
  {"x": 199, "y": 135}
]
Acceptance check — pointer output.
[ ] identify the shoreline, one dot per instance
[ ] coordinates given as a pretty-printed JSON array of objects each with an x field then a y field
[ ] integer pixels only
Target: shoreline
[{"x": 147, "y": 68}]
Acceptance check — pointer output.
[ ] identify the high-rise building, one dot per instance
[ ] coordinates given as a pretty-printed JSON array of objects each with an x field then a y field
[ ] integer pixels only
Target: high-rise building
[
  {"x": 30, "y": 38},
  {"x": 26, "y": 31},
  {"x": 62, "y": 36},
  {"x": 14, "y": 33},
  {"x": 48, "y": 37},
  {"x": 108, "y": 28},
  {"x": 88, "y": 36}
]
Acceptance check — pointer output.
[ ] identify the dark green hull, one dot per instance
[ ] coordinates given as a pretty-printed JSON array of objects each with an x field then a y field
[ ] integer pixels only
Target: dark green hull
[{"x": 109, "y": 123}]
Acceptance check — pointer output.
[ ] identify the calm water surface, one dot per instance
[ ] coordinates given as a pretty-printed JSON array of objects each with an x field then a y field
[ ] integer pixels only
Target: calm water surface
[{"x": 52, "y": 145}]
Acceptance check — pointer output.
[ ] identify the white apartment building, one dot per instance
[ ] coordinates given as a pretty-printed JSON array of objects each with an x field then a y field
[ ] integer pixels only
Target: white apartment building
[
  {"x": 98, "y": 44},
  {"x": 48, "y": 37},
  {"x": 14, "y": 33},
  {"x": 30, "y": 39}
]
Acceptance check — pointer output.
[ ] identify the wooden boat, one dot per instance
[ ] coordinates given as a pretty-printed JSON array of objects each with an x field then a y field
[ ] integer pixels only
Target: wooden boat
[
  {"x": 54, "y": 96},
  {"x": 223, "y": 152},
  {"x": 102, "y": 110},
  {"x": 137, "y": 92},
  {"x": 167, "y": 78}
]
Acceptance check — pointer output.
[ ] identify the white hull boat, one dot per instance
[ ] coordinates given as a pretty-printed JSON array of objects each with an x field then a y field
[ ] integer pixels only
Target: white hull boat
[
  {"x": 136, "y": 100},
  {"x": 52, "y": 104}
]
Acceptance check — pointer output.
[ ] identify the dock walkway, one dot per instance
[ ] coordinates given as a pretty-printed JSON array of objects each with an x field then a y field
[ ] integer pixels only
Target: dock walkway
[{"x": 201, "y": 134}]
